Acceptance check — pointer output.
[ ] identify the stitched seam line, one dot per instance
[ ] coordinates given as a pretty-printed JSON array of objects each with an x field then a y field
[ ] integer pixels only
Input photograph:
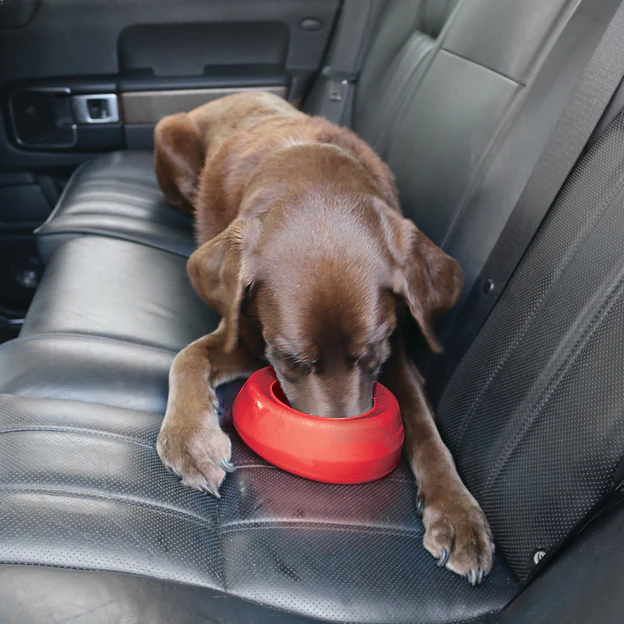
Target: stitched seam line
[
  {"x": 54, "y": 334},
  {"x": 273, "y": 468},
  {"x": 566, "y": 260},
  {"x": 189, "y": 584},
  {"x": 562, "y": 369},
  {"x": 319, "y": 526},
  {"x": 133, "y": 502},
  {"x": 79, "y": 431},
  {"x": 200, "y": 520},
  {"x": 494, "y": 71},
  {"x": 116, "y": 236}
]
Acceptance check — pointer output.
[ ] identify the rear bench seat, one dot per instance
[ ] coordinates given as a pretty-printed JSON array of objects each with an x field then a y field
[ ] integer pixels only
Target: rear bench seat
[
  {"x": 84, "y": 387},
  {"x": 117, "y": 196}
]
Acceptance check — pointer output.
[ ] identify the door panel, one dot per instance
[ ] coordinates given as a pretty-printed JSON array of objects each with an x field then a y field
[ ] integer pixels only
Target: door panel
[
  {"x": 122, "y": 54},
  {"x": 82, "y": 77}
]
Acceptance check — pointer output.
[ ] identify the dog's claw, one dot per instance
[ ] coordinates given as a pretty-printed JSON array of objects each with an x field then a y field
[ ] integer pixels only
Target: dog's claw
[
  {"x": 472, "y": 577},
  {"x": 227, "y": 465},
  {"x": 444, "y": 557},
  {"x": 420, "y": 507},
  {"x": 480, "y": 577},
  {"x": 206, "y": 488}
]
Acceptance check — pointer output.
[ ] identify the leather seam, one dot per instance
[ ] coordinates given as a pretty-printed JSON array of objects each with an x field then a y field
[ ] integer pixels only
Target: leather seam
[
  {"x": 274, "y": 468},
  {"x": 188, "y": 584},
  {"x": 409, "y": 91},
  {"x": 133, "y": 502},
  {"x": 53, "y": 334},
  {"x": 528, "y": 323},
  {"x": 494, "y": 71},
  {"x": 614, "y": 295},
  {"x": 200, "y": 520},
  {"x": 117, "y": 236},
  {"x": 320, "y": 525},
  {"x": 78, "y": 431}
]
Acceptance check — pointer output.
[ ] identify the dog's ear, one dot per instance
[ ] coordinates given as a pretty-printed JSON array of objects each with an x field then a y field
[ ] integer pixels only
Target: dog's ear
[
  {"x": 429, "y": 280},
  {"x": 222, "y": 269},
  {"x": 178, "y": 159}
]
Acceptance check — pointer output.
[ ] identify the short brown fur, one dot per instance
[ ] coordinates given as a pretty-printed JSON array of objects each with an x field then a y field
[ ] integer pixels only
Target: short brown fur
[{"x": 304, "y": 252}]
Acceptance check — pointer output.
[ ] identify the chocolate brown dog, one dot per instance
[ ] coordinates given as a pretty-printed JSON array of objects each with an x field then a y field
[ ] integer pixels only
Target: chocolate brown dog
[{"x": 304, "y": 253}]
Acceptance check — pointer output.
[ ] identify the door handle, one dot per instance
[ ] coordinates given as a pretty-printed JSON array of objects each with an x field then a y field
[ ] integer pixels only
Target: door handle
[{"x": 100, "y": 108}]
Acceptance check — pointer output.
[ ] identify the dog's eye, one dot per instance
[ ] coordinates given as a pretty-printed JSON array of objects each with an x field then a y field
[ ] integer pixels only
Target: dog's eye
[
  {"x": 292, "y": 366},
  {"x": 297, "y": 364},
  {"x": 374, "y": 356}
]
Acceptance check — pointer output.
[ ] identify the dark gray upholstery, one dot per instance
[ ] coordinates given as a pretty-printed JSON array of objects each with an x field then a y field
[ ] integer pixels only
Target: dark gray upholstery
[
  {"x": 78, "y": 296},
  {"x": 534, "y": 412},
  {"x": 399, "y": 55},
  {"x": 117, "y": 196},
  {"x": 533, "y": 415},
  {"x": 87, "y": 368},
  {"x": 98, "y": 497},
  {"x": 465, "y": 139}
]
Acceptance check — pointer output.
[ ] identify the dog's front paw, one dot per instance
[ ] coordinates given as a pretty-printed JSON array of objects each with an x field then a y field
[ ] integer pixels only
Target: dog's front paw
[
  {"x": 457, "y": 533},
  {"x": 197, "y": 452}
]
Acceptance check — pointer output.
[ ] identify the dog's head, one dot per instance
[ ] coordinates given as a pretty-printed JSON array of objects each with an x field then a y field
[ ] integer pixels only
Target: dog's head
[{"x": 322, "y": 280}]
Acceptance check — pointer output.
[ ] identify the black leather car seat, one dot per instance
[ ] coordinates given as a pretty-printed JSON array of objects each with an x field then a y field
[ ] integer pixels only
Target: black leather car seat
[
  {"x": 533, "y": 414},
  {"x": 117, "y": 196}
]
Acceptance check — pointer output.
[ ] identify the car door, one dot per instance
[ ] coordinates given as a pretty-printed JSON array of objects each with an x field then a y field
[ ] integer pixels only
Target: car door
[{"x": 83, "y": 77}]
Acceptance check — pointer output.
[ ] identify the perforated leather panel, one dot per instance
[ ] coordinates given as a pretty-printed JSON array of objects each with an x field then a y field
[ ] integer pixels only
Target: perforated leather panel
[
  {"x": 535, "y": 412},
  {"x": 81, "y": 486}
]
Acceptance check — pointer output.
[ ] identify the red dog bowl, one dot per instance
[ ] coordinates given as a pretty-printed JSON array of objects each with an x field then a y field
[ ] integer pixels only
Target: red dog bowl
[{"x": 333, "y": 450}]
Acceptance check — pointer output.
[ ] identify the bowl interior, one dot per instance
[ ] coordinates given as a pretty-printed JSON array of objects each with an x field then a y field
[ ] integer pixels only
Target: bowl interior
[{"x": 277, "y": 393}]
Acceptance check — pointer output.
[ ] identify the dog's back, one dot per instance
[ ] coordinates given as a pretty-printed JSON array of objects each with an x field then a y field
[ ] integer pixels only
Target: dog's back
[{"x": 210, "y": 159}]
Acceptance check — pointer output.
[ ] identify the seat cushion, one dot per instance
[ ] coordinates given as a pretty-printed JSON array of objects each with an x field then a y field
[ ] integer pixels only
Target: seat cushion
[
  {"x": 98, "y": 498},
  {"x": 117, "y": 195},
  {"x": 86, "y": 368},
  {"x": 119, "y": 290},
  {"x": 83, "y": 391},
  {"x": 104, "y": 326}
]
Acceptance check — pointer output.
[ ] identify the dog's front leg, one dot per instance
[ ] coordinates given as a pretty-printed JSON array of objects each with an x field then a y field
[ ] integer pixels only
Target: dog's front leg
[
  {"x": 191, "y": 443},
  {"x": 456, "y": 530}
]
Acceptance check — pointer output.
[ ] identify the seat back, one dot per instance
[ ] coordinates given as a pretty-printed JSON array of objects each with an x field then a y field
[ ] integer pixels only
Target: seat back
[
  {"x": 534, "y": 413},
  {"x": 401, "y": 51},
  {"x": 460, "y": 97}
]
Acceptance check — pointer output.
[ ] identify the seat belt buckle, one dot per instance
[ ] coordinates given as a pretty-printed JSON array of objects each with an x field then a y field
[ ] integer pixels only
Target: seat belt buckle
[{"x": 338, "y": 82}]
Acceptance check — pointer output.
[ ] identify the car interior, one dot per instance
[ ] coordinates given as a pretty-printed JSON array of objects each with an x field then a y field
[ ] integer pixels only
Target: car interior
[{"x": 502, "y": 123}]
